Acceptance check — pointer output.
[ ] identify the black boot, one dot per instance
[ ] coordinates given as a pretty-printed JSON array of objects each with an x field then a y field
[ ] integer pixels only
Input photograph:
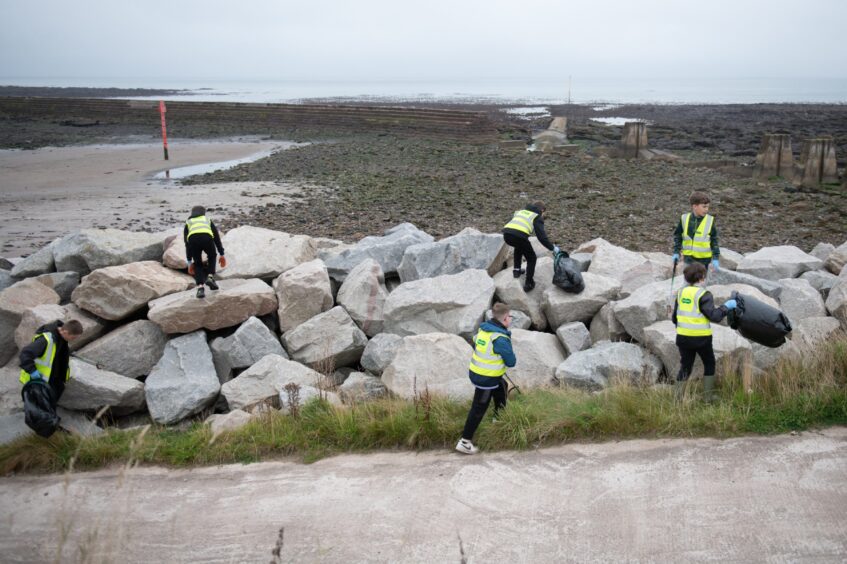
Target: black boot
[
  {"x": 210, "y": 282},
  {"x": 528, "y": 285},
  {"x": 201, "y": 292},
  {"x": 516, "y": 272}
]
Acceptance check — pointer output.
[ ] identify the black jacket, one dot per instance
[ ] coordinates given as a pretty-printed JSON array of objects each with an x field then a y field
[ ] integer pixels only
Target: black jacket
[
  {"x": 712, "y": 313},
  {"x": 693, "y": 224},
  {"x": 216, "y": 237},
  {"x": 61, "y": 361},
  {"x": 538, "y": 225}
]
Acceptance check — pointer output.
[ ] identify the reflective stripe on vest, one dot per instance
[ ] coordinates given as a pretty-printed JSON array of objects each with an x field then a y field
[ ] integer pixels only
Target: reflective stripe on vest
[
  {"x": 523, "y": 222},
  {"x": 199, "y": 224},
  {"x": 485, "y": 361},
  {"x": 44, "y": 363},
  {"x": 690, "y": 321},
  {"x": 701, "y": 245}
]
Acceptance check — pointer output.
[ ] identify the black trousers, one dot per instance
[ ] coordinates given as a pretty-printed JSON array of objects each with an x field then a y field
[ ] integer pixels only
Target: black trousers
[
  {"x": 523, "y": 248},
  {"x": 481, "y": 399},
  {"x": 197, "y": 245},
  {"x": 688, "y": 354}
]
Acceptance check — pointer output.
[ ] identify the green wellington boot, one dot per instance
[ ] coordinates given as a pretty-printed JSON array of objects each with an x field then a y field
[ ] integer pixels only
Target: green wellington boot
[{"x": 709, "y": 395}]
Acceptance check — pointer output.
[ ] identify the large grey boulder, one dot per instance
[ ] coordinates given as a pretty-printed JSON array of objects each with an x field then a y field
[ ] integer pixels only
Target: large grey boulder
[
  {"x": 729, "y": 259},
  {"x": 330, "y": 339},
  {"x": 837, "y": 259},
  {"x": 387, "y": 250},
  {"x": 13, "y": 427},
  {"x": 520, "y": 320},
  {"x": 234, "y": 303},
  {"x": 538, "y": 354},
  {"x": 821, "y": 280},
  {"x": 723, "y": 292},
  {"x": 90, "y": 249},
  {"x": 184, "y": 381},
  {"x": 116, "y": 292},
  {"x": 251, "y": 342},
  {"x": 560, "y": 307},
  {"x": 629, "y": 268},
  {"x": 600, "y": 366},
  {"x": 255, "y": 252},
  {"x": 78, "y": 423},
  {"x": 436, "y": 363},
  {"x": 10, "y": 389},
  {"x": 660, "y": 338},
  {"x": 509, "y": 290},
  {"x": 265, "y": 380},
  {"x": 822, "y": 251},
  {"x": 725, "y": 277},
  {"x": 303, "y": 292},
  {"x": 132, "y": 350},
  {"x": 836, "y": 302},
  {"x": 363, "y": 295},
  {"x": 305, "y": 395},
  {"x": 63, "y": 283},
  {"x": 92, "y": 327},
  {"x": 360, "y": 387},
  {"x": 811, "y": 332},
  {"x": 379, "y": 352},
  {"x": 39, "y": 262},
  {"x": 16, "y": 300},
  {"x": 469, "y": 249},
  {"x": 799, "y": 299},
  {"x": 91, "y": 388},
  {"x": 453, "y": 303},
  {"x": 606, "y": 327},
  {"x": 175, "y": 255},
  {"x": 6, "y": 280},
  {"x": 774, "y": 263},
  {"x": 645, "y": 306},
  {"x": 221, "y": 423},
  {"x": 574, "y": 337}
]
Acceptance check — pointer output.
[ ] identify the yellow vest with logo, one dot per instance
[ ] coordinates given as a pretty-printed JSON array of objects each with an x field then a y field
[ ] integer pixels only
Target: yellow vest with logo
[
  {"x": 523, "y": 222},
  {"x": 44, "y": 363},
  {"x": 701, "y": 245},
  {"x": 485, "y": 361},
  {"x": 690, "y": 321},
  {"x": 199, "y": 224}
]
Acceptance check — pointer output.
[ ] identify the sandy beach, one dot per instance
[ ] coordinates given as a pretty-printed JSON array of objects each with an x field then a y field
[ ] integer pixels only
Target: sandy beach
[{"x": 48, "y": 192}]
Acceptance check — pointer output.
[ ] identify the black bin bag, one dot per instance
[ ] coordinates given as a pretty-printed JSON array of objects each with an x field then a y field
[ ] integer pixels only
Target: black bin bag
[
  {"x": 758, "y": 321},
  {"x": 39, "y": 413},
  {"x": 566, "y": 274}
]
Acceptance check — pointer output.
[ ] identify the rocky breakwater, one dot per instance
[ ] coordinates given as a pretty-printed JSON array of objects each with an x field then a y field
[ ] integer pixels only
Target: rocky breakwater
[{"x": 392, "y": 314}]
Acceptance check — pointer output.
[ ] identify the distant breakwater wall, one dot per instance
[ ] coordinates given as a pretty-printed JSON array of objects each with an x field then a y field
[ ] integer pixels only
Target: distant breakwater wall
[{"x": 457, "y": 124}]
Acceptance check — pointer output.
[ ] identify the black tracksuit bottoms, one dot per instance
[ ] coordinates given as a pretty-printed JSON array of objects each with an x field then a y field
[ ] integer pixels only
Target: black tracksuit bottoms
[
  {"x": 196, "y": 246},
  {"x": 523, "y": 248},
  {"x": 481, "y": 399},
  {"x": 688, "y": 351}
]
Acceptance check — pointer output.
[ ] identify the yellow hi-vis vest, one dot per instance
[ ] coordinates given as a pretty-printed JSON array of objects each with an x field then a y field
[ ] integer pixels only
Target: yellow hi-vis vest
[
  {"x": 701, "y": 245},
  {"x": 44, "y": 363},
  {"x": 523, "y": 222},
  {"x": 690, "y": 321},
  {"x": 199, "y": 224},
  {"x": 485, "y": 361}
]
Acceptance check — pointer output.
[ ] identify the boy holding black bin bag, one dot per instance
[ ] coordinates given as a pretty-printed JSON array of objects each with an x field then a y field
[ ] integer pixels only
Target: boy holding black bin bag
[{"x": 693, "y": 311}]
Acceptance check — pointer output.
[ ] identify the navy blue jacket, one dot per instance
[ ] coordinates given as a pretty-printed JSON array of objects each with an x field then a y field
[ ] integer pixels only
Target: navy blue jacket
[{"x": 501, "y": 346}]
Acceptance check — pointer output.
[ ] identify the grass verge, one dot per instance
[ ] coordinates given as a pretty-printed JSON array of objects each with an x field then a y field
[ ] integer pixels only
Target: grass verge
[{"x": 797, "y": 394}]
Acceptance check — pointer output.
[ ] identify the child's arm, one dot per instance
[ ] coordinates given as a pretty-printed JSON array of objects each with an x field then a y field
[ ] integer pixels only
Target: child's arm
[
  {"x": 707, "y": 306},
  {"x": 713, "y": 238},
  {"x": 216, "y": 236},
  {"x": 677, "y": 238}
]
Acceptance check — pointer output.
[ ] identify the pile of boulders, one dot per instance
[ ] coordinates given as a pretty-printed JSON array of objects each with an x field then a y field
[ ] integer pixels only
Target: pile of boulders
[{"x": 299, "y": 317}]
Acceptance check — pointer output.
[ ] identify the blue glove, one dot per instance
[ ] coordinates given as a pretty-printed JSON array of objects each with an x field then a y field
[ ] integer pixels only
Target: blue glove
[
  {"x": 35, "y": 375},
  {"x": 188, "y": 262},
  {"x": 556, "y": 250},
  {"x": 730, "y": 304},
  {"x": 716, "y": 265},
  {"x": 675, "y": 257}
]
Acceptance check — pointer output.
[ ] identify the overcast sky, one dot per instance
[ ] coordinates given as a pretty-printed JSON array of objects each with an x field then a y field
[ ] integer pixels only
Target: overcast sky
[{"x": 426, "y": 39}]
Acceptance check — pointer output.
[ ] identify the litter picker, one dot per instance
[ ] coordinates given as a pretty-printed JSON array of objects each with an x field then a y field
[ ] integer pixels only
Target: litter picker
[
  {"x": 673, "y": 275},
  {"x": 514, "y": 387}
]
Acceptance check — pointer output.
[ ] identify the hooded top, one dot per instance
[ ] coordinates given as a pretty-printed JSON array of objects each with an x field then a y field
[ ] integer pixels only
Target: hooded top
[{"x": 503, "y": 347}]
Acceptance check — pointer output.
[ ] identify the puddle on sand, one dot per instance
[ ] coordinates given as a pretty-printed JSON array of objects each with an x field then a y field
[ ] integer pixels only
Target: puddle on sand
[
  {"x": 618, "y": 120},
  {"x": 191, "y": 170}
]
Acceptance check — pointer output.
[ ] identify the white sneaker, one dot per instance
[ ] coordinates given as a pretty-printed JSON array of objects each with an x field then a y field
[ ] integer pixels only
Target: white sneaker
[{"x": 466, "y": 447}]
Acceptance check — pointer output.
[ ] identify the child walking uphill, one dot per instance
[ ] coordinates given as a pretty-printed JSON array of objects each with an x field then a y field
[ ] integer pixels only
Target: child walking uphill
[
  {"x": 492, "y": 354},
  {"x": 693, "y": 311},
  {"x": 523, "y": 225},
  {"x": 201, "y": 236},
  {"x": 696, "y": 234}
]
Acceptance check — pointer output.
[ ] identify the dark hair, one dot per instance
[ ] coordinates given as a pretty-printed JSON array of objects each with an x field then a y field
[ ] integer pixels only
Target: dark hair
[
  {"x": 540, "y": 205},
  {"x": 699, "y": 198},
  {"x": 73, "y": 327},
  {"x": 694, "y": 272},
  {"x": 198, "y": 210},
  {"x": 499, "y": 311}
]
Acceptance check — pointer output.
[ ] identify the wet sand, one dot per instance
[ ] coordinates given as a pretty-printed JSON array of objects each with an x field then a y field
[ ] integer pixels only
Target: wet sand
[{"x": 49, "y": 192}]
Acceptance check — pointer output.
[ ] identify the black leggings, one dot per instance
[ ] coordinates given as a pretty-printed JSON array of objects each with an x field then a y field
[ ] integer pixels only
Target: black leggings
[
  {"x": 686, "y": 355},
  {"x": 523, "y": 248},
  {"x": 197, "y": 245},
  {"x": 481, "y": 399}
]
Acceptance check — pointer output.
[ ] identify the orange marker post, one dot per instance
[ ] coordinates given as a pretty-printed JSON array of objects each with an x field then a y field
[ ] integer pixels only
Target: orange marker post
[{"x": 162, "y": 110}]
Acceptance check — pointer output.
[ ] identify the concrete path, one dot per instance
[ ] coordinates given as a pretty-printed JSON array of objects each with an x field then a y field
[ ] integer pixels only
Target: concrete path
[{"x": 776, "y": 499}]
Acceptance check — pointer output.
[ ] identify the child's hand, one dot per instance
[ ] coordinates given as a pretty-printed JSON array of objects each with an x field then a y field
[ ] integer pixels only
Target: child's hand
[{"x": 716, "y": 265}]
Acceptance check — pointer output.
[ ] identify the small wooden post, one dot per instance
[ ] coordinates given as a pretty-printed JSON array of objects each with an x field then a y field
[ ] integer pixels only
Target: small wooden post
[{"x": 162, "y": 110}]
